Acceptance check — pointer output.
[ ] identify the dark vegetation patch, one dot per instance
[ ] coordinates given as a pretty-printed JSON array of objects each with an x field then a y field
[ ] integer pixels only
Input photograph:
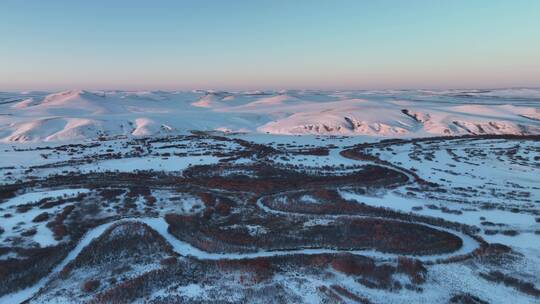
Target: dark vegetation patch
[
  {"x": 90, "y": 285},
  {"x": 122, "y": 239},
  {"x": 215, "y": 234},
  {"x": 520, "y": 285},
  {"x": 466, "y": 298},
  {"x": 260, "y": 178},
  {"x": 30, "y": 266}
]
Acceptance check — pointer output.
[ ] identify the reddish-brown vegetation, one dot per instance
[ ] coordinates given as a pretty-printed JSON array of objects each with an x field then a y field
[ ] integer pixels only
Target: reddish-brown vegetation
[
  {"x": 90, "y": 286},
  {"x": 41, "y": 217},
  {"x": 57, "y": 224},
  {"x": 523, "y": 286},
  {"x": 466, "y": 298},
  {"x": 33, "y": 264}
]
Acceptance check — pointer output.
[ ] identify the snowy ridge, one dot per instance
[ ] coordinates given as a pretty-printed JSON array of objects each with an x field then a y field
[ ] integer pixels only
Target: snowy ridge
[{"x": 80, "y": 114}]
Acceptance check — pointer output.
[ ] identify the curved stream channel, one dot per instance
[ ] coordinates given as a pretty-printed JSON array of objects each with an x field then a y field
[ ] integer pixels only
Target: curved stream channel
[{"x": 186, "y": 249}]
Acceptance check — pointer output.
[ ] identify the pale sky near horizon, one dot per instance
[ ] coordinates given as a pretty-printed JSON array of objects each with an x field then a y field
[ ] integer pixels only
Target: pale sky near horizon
[{"x": 338, "y": 44}]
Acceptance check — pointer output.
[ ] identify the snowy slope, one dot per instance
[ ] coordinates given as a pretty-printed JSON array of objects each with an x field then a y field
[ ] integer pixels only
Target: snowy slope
[{"x": 79, "y": 114}]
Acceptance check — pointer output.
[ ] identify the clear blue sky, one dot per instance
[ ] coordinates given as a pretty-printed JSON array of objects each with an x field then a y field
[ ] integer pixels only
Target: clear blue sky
[{"x": 131, "y": 44}]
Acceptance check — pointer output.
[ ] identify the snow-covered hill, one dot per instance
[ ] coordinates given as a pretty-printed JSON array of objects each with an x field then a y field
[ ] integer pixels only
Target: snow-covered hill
[{"x": 79, "y": 114}]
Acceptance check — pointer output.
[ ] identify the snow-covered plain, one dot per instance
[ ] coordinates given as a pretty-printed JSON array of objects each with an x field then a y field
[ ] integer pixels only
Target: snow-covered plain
[
  {"x": 486, "y": 183},
  {"x": 79, "y": 114}
]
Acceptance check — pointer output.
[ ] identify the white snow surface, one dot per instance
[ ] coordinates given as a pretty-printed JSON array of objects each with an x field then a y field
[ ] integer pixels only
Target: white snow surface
[
  {"x": 19, "y": 222},
  {"x": 79, "y": 114}
]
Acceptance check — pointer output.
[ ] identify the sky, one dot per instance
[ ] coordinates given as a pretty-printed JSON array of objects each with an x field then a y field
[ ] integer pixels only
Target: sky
[{"x": 268, "y": 44}]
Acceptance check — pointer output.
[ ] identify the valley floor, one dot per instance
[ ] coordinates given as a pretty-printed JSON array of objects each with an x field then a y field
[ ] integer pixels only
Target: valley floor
[{"x": 211, "y": 217}]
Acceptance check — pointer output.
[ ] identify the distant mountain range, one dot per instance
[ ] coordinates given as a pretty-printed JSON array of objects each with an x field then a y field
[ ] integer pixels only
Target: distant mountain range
[{"x": 80, "y": 114}]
